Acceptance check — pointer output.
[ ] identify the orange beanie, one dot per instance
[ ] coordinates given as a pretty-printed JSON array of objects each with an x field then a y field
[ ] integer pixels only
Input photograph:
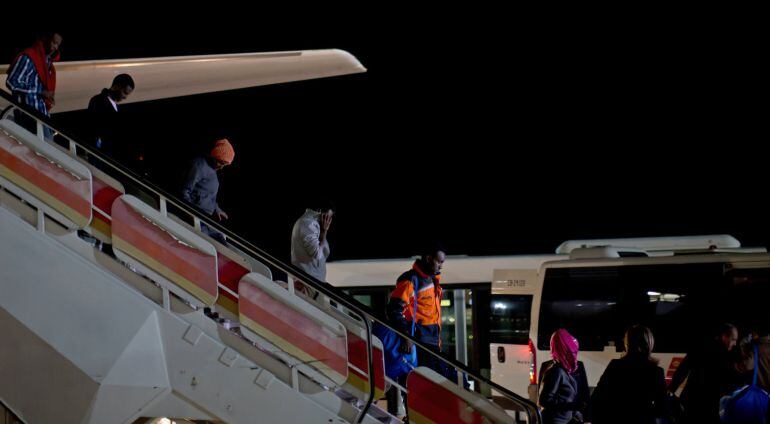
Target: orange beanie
[{"x": 223, "y": 151}]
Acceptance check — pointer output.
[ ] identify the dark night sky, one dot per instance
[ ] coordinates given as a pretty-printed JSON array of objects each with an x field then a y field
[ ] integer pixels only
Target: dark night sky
[{"x": 497, "y": 132}]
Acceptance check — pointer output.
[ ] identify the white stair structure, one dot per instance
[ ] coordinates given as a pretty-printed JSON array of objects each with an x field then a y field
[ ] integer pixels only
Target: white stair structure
[{"x": 92, "y": 337}]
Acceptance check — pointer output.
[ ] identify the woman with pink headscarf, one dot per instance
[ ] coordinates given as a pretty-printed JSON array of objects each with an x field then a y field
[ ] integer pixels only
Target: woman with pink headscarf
[{"x": 563, "y": 391}]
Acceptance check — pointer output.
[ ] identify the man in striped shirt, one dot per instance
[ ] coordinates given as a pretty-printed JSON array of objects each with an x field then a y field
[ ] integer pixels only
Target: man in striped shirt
[{"x": 32, "y": 76}]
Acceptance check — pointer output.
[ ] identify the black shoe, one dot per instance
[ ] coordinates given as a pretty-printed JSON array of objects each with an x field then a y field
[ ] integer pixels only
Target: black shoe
[{"x": 87, "y": 237}]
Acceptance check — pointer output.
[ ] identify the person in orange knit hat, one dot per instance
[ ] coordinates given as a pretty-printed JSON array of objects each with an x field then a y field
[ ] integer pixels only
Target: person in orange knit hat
[{"x": 202, "y": 184}]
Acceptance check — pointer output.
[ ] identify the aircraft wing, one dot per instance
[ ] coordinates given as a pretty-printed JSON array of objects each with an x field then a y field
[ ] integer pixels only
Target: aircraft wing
[{"x": 165, "y": 77}]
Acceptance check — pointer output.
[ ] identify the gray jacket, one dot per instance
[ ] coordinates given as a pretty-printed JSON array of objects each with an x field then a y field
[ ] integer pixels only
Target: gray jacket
[
  {"x": 559, "y": 396},
  {"x": 201, "y": 186},
  {"x": 307, "y": 251}
]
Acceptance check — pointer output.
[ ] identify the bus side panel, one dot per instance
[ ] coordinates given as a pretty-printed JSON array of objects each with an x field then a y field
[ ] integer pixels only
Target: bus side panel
[
  {"x": 511, "y": 308},
  {"x": 513, "y": 372}
]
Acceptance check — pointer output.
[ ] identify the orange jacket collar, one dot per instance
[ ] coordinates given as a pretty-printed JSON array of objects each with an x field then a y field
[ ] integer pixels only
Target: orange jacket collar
[{"x": 422, "y": 274}]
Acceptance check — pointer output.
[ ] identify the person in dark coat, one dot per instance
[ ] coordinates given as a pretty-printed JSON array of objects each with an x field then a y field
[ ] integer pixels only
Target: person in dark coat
[
  {"x": 584, "y": 392},
  {"x": 104, "y": 126},
  {"x": 564, "y": 386},
  {"x": 632, "y": 389},
  {"x": 710, "y": 372}
]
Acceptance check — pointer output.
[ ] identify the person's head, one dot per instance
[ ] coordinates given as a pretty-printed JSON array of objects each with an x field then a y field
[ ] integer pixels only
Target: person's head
[
  {"x": 222, "y": 154},
  {"x": 51, "y": 41},
  {"x": 763, "y": 328},
  {"x": 564, "y": 349},
  {"x": 432, "y": 258},
  {"x": 728, "y": 336},
  {"x": 322, "y": 206},
  {"x": 122, "y": 87},
  {"x": 639, "y": 341}
]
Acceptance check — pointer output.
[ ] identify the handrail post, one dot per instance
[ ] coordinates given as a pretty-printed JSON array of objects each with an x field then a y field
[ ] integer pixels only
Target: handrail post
[
  {"x": 39, "y": 129},
  {"x": 166, "y": 299},
  {"x": 163, "y": 210},
  {"x": 40, "y": 219},
  {"x": 290, "y": 284},
  {"x": 370, "y": 355}
]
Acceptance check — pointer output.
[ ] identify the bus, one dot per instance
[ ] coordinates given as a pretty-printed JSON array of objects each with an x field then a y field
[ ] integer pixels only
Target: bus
[
  {"x": 681, "y": 288},
  {"x": 498, "y": 312}
]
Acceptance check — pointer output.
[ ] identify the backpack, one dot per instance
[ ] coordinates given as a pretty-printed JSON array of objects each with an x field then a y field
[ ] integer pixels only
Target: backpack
[
  {"x": 747, "y": 405},
  {"x": 397, "y": 364}
]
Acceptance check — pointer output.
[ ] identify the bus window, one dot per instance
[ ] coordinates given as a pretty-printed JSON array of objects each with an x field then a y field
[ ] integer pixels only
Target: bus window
[
  {"x": 746, "y": 301},
  {"x": 373, "y": 297},
  {"x": 449, "y": 321},
  {"x": 365, "y": 299},
  {"x": 583, "y": 301},
  {"x": 448, "y": 336},
  {"x": 596, "y": 304},
  {"x": 509, "y": 319}
]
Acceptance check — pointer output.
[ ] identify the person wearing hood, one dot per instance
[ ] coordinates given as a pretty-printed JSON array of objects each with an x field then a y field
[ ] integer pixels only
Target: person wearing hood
[{"x": 564, "y": 394}]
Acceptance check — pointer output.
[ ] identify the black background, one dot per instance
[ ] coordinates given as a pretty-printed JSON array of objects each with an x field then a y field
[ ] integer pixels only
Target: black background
[{"x": 497, "y": 131}]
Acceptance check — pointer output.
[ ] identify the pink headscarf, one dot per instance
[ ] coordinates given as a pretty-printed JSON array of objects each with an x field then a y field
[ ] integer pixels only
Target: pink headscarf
[{"x": 564, "y": 350}]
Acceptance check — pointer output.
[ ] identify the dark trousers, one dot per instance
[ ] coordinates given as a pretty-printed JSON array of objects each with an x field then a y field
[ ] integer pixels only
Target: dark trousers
[
  {"x": 425, "y": 359},
  {"x": 216, "y": 235}
]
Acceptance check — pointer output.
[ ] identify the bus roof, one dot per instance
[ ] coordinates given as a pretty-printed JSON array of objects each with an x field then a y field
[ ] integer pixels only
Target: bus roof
[
  {"x": 457, "y": 269},
  {"x": 655, "y": 243}
]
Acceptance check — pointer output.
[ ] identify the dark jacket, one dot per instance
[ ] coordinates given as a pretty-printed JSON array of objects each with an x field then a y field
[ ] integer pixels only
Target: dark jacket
[
  {"x": 711, "y": 373},
  {"x": 558, "y": 395},
  {"x": 104, "y": 126},
  {"x": 582, "y": 402},
  {"x": 202, "y": 185},
  {"x": 632, "y": 390}
]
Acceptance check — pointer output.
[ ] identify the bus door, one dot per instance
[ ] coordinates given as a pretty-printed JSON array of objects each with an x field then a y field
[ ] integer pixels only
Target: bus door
[{"x": 510, "y": 311}]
